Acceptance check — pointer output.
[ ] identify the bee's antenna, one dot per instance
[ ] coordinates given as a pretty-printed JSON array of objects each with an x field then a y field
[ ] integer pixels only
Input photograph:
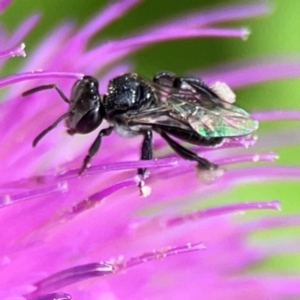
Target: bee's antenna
[
  {"x": 46, "y": 87},
  {"x": 44, "y": 132}
]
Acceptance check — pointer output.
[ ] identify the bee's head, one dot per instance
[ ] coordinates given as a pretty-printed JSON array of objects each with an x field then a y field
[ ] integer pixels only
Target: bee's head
[{"x": 86, "y": 111}]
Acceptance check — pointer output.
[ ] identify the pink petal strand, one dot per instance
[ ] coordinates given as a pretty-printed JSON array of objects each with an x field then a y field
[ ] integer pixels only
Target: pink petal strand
[
  {"x": 270, "y": 157},
  {"x": 155, "y": 163},
  {"x": 7, "y": 199},
  {"x": 12, "y": 52},
  {"x": 72, "y": 275},
  {"x": 4, "y": 4},
  {"x": 114, "y": 50},
  {"x": 83, "y": 272},
  {"x": 106, "y": 16},
  {"x": 221, "y": 210},
  {"x": 252, "y": 72},
  {"x": 52, "y": 296},
  {"x": 8, "y": 80},
  {"x": 23, "y": 30},
  {"x": 62, "y": 224},
  {"x": 217, "y": 15},
  {"x": 276, "y": 115}
]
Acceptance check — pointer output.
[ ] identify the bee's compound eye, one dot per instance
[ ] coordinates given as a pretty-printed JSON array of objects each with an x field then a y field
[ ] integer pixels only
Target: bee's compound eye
[{"x": 89, "y": 122}]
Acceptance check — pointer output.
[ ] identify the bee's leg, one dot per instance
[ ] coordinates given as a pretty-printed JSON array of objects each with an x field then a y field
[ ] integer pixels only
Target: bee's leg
[
  {"x": 45, "y": 131},
  {"x": 185, "y": 153},
  {"x": 95, "y": 147},
  {"x": 194, "y": 85},
  {"x": 181, "y": 79},
  {"x": 146, "y": 154},
  {"x": 146, "y": 151},
  {"x": 47, "y": 87},
  {"x": 189, "y": 136},
  {"x": 165, "y": 78}
]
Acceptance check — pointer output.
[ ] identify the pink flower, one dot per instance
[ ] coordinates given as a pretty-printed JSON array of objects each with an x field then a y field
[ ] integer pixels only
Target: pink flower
[{"x": 94, "y": 237}]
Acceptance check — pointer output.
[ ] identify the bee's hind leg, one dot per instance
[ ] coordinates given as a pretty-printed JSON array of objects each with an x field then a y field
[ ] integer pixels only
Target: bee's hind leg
[
  {"x": 164, "y": 78},
  {"x": 194, "y": 85},
  {"x": 203, "y": 164}
]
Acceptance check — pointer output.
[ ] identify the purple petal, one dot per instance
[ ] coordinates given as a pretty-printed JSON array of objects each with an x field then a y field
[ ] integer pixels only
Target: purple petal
[
  {"x": 102, "y": 19},
  {"x": 79, "y": 273},
  {"x": 247, "y": 158},
  {"x": 183, "y": 27},
  {"x": 8, "y": 80},
  {"x": 71, "y": 276},
  {"x": 4, "y": 4},
  {"x": 160, "y": 254},
  {"x": 252, "y": 72},
  {"x": 53, "y": 296},
  {"x": 12, "y": 52},
  {"x": 113, "y": 51},
  {"x": 221, "y": 210},
  {"x": 155, "y": 163},
  {"x": 64, "y": 224},
  {"x": 7, "y": 199},
  {"x": 276, "y": 115},
  {"x": 22, "y": 31},
  {"x": 219, "y": 14}
]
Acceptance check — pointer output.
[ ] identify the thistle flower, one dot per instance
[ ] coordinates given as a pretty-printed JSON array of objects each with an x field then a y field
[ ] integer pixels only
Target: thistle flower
[{"x": 93, "y": 237}]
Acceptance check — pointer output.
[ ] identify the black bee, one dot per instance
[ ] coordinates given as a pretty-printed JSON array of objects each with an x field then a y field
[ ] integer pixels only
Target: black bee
[{"x": 181, "y": 107}]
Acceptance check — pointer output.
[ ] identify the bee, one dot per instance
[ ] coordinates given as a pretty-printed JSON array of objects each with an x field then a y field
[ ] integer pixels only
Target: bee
[{"x": 172, "y": 106}]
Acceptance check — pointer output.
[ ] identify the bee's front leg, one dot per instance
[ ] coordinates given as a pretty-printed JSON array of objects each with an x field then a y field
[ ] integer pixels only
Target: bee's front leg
[{"x": 95, "y": 147}]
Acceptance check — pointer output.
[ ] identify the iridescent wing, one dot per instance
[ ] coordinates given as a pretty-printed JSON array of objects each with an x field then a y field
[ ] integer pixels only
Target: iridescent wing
[
  {"x": 212, "y": 118},
  {"x": 196, "y": 107}
]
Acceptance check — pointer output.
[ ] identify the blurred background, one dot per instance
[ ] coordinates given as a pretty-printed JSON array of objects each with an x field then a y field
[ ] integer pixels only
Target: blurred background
[{"x": 273, "y": 35}]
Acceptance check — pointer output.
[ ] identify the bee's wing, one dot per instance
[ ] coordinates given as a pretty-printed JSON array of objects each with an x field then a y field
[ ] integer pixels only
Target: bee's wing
[
  {"x": 199, "y": 109},
  {"x": 159, "y": 116},
  {"x": 211, "y": 117}
]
